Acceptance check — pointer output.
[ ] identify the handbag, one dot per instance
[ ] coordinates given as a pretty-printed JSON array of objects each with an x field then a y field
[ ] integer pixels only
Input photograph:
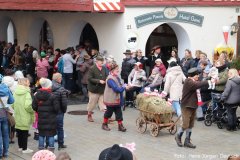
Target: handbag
[{"x": 10, "y": 118}]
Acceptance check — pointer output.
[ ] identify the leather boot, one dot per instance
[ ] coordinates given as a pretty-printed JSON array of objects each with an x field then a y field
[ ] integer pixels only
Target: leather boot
[
  {"x": 90, "y": 119},
  {"x": 188, "y": 144},
  {"x": 105, "y": 127},
  {"x": 121, "y": 128},
  {"x": 178, "y": 139}
]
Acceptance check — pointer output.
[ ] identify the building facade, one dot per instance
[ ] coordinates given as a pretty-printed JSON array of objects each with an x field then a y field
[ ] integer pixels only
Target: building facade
[{"x": 133, "y": 24}]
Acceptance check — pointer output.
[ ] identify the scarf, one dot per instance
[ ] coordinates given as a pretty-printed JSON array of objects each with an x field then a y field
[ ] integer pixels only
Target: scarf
[{"x": 199, "y": 97}]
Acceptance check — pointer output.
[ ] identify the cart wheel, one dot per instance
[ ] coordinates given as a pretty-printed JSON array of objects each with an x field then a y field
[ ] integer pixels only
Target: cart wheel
[
  {"x": 141, "y": 124},
  {"x": 219, "y": 125},
  {"x": 173, "y": 130},
  {"x": 208, "y": 122},
  {"x": 154, "y": 129},
  {"x": 238, "y": 122}
]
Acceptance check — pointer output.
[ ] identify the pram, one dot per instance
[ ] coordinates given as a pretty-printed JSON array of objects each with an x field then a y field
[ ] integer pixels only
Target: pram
[{"x": 217, "y": 115}]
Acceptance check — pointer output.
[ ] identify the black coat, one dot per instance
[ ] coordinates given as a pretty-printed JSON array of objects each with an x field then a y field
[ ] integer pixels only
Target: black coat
[
  {"x": 127, "y": 66},
  {"x": 61, "y": 95},
  {"x": 47, "y": 107}
]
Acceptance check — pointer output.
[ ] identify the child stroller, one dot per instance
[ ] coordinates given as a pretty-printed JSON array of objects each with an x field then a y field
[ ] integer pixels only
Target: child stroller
[{"x": 216, "y": 115}]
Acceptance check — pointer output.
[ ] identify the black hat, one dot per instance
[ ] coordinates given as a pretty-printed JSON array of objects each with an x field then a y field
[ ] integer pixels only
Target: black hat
[
  {"x": 99, "y": 58},
  {"x": 192, "y": 72},
  {"x": 127, "y": 52},
  {"x": 173, "y": 64},
  {"x": 116, "y": 153}
]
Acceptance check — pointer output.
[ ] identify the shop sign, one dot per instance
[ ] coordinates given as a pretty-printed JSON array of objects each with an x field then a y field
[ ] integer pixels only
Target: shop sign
[{"x": 169, "y": 14}]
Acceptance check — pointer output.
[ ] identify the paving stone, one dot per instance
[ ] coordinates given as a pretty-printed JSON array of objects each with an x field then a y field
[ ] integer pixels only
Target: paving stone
[{"x": 86, "y": 140}]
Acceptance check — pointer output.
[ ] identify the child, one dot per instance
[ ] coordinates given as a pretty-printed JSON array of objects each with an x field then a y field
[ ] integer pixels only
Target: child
[
  {"x": 154, "y": 80},
  {"x": 213, "y": 73},
  {"x": 113, "y": 98}
]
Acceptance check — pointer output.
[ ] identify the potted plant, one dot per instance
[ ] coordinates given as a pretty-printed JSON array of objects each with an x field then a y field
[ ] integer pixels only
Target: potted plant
[{"x": 235, "y": 64}]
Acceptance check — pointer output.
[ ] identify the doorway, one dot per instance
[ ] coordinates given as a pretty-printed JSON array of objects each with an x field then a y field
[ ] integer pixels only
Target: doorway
[
  {"x": 89, "y": 37},
  {"x": 164, "y": 36}
]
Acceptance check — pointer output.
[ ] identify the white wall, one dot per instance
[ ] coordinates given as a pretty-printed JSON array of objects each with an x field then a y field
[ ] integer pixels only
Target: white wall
[
  {"x": 205, "y": 38},
  {"x": 112, "y": 32}
]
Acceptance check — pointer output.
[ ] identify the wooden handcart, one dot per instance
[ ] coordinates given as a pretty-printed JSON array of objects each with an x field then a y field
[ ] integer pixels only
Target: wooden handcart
[{"x": 155, "y": 122}]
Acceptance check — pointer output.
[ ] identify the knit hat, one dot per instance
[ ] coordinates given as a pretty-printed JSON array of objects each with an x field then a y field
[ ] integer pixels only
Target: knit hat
[
  {"x": 116, "y": 153},
  {"x": 192, "y": 72},
  {"x": 158, "y": 60},
  {"x": 43, "y": 54},
  {"x": 45, "y": 83},
  {"x": 18, "y": 74},
  {"x": 44, "y": 155},
  {"x": 8, "y": 80}
]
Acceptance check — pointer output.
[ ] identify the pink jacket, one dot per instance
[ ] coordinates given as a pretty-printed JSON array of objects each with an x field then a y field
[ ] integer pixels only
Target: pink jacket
[{"x": 42, "y": 68}]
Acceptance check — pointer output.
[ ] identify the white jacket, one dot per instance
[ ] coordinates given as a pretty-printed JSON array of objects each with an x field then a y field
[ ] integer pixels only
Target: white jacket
[{"x": 174, "y": 83}]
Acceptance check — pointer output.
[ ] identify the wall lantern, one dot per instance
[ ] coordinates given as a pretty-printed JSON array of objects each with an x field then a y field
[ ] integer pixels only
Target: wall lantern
[{"x": 234, "y": 28}]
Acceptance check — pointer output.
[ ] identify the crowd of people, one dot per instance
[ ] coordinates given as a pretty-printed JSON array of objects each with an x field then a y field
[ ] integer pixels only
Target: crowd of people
[{"x": 35, "y": 87}]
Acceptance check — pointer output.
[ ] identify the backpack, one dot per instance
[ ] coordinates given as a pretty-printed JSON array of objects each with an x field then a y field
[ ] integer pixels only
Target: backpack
[{"x": 60, "y": 65}]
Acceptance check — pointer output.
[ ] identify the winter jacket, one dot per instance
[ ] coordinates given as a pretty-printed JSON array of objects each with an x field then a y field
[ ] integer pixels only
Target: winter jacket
[
  {"x": 7, "y": 99},
  {"x": 68, "y": 62},
  {"x": 223, "y": 77},
  {"x": 23, "y": 112},
  {"x": 47, "y": 107},
  {"x": 162, "y": 69},
  {"x": 174, "y": 83},
  {"x": 42, "y": 67},
  {"x": 154, "y": 80},
  {"x": 187, "y": 64},
  {"x": 137, "y": 78},
  {"x": 84, "y": 69},
  {"x": 94, "y": 77},
  {"x": 127, "y": 66},
  {"x": 61, "y": 95},
  {"x": 232, "y": 91},
  {"x": 189, "y": 94}
]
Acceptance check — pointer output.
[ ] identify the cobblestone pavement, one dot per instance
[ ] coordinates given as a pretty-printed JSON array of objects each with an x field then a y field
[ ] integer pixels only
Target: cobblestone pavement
[{"x": 86, "y": 140}]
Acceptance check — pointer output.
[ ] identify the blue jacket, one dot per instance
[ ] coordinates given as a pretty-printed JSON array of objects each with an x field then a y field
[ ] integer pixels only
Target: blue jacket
[{"x": 6, "y": 95}]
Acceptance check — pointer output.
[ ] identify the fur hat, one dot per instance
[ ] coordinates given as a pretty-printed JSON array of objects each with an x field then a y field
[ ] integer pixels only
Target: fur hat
[
  {"x": 45, "y": 83},
  {"x": 116, "y": 153}
]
